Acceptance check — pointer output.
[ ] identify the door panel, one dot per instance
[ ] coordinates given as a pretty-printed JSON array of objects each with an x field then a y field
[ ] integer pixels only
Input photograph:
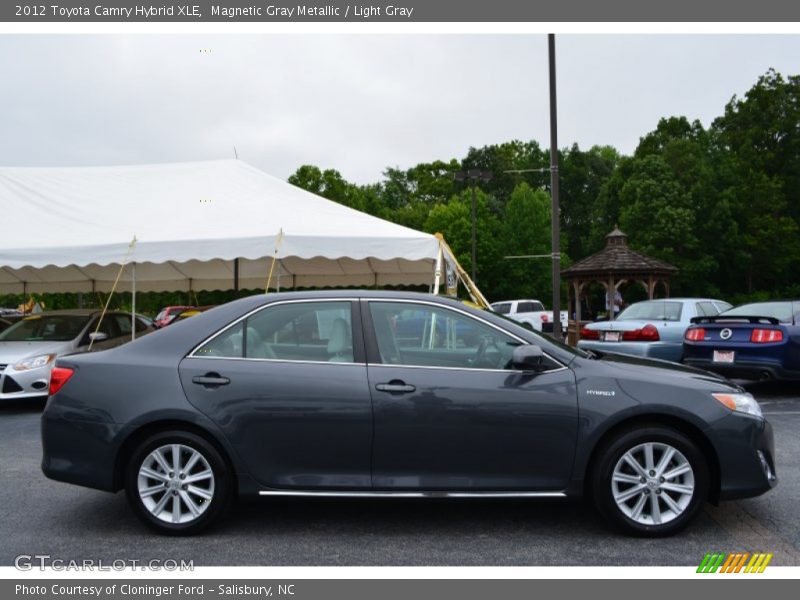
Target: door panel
[
  {"x": 470, "y": 426},
  {"x": 294, "y": 424}
]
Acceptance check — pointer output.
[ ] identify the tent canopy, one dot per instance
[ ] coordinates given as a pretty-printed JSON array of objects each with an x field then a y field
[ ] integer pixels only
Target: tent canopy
[{"x": 70, "y": 229}]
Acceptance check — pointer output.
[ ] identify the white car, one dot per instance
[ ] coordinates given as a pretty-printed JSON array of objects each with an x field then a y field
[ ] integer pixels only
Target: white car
[{"x": 531, "y": 312}]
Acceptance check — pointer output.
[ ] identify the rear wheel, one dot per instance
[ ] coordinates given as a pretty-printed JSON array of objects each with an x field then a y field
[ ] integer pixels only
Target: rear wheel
[
  {"x": 177, "y": 482},
  {"x": 650, "y": 481}
]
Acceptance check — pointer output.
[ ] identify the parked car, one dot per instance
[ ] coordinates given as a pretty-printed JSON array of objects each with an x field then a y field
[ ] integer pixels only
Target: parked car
[
  {"x": 531, "y": 312},
  {"x": 752, "y": 341},
  {"x": 314, "y": 394},
  {"x": 29, "y": 347},
  {"x": 168, "y": 314},
  {"x": 651, "y": 328}
]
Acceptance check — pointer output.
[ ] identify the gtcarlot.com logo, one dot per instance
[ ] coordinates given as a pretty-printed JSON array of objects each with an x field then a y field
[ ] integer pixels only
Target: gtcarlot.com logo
[{"x": 738, "y": 562}]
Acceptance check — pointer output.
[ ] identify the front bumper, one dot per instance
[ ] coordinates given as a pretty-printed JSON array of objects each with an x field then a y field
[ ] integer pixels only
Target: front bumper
[
  {"x": 740, "y": 443},
  {"x": 659, "y": 350},
  {"x": 24, "y": 385}
]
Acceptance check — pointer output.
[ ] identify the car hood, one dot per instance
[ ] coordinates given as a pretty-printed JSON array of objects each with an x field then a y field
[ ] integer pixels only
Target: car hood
[
  {"x": 13, "y": 352},
  {"x": 652, "y": 369}
]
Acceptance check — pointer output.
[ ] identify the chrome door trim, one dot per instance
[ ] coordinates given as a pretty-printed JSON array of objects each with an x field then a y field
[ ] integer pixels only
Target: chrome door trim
[{"x": 409, "y": 494}]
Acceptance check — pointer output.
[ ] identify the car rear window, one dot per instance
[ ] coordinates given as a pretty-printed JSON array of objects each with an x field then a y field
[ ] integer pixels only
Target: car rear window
[
  {"x": 654, "y": 310},
  {"x": 523, "y": 307},
  {"x": 502, "y": 309},
  {"x": 783, "y": 311}
]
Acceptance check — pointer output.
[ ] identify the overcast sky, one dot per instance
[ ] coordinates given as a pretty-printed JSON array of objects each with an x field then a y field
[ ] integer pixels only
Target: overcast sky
[{"x": 356, "y": 103}]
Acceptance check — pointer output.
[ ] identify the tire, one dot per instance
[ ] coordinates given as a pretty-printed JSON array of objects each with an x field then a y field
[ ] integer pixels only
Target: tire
[
  {"x": 153, "y": 494},
  {"x": 626, "y": 495}
]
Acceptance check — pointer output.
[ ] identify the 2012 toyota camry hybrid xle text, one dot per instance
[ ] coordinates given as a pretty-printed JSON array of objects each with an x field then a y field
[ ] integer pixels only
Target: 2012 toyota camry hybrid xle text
[{"x": 371, "y": 394}]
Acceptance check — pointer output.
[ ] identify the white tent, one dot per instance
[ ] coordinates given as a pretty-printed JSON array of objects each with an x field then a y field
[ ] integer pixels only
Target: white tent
[{"x": 198, "y": 226}]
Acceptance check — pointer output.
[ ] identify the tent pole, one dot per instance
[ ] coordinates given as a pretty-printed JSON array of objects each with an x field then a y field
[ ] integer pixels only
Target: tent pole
[
  {"x": 133, "y": 301},
  {"x": 235, "y": 274},
  {"x": 437, "y": 276}
]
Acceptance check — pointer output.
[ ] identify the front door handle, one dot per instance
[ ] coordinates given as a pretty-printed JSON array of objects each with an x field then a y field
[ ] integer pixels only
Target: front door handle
[
  {"x": 395, "y": 387},
  {"x": 210, "y": 380}
]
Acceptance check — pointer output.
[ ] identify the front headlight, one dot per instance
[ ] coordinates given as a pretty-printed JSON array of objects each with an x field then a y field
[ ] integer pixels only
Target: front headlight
[
  {"x": 34, "y": 362},
  {"x": 744, "y": 403}
]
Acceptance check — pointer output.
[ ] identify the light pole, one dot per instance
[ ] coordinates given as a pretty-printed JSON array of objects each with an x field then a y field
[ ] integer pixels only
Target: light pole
[
  {"x": 554, "y": 217},
  {"x": 473, "y": 176}
]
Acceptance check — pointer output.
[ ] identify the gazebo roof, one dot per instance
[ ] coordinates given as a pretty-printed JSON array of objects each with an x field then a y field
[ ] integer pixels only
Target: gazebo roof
[{"x": 619, "y": 260}]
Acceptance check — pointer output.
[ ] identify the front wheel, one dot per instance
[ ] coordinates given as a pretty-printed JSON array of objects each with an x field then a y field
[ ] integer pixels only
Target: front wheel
[
  {"x": 650, "y": 481},
  {"x": 177, "y": 482}
]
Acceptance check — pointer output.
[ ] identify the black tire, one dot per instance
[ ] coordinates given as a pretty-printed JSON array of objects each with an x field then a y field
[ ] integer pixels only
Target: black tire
[
  {"x": 212, "y": 509},
  {"x": 612, "y": 452}
]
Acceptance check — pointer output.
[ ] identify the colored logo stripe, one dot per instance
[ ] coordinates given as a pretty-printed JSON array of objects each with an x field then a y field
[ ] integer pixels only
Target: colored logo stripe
[{"x": 734, "y": 563}]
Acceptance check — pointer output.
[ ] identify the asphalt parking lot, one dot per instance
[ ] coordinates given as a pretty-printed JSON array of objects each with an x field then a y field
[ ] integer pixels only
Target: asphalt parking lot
[{"x": 40, "y": 516}]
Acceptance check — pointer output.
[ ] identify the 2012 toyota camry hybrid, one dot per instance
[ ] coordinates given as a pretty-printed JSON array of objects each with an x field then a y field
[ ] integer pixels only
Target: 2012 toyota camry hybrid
[{"x": 383, "y": 394}]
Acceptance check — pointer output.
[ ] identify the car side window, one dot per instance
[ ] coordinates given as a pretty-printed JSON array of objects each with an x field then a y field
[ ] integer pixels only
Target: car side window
[
  {"x": 123, "y": 323},
  {"x": 707, "y": 309},
  {"x": 429, "y": 336},
  {"x": 308, "y": 331},
  {"x": 228, "y": 344}
]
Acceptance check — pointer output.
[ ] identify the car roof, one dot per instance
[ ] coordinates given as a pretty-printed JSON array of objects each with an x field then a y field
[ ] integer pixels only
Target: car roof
[{"x": 75, "y": 312}]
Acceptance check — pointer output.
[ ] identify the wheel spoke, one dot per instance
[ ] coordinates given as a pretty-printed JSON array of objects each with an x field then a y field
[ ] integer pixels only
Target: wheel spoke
[
  {"x": 629, "y": 493},
  {"x": 677, "y": 487},
  {"x": 655, "y": 509},
  {"x": 191, "y": 462},
  {"x": 161, "y": 504},
  {"x": 679, "y": 470},
  {"x": 201, "y": 476},
  {"x": 176, "y": 457},
  {"x": 176, "y": 508},
  {"x": 649, "y": 464},
  {"x": 636, "y": 513},
  {"x": 204, "y": 494},
  {"x": 628, "y": 458},
  {"x": 147, "y": 472},
  {"x": 161, "y": 461},
  {"x": 625, "y": 478},
  {"x": 147, "y": 492},
  {"x": 187, "y": 500},
  {"x": 664, "y": 462},
  {"x": 673, "y": 506}
]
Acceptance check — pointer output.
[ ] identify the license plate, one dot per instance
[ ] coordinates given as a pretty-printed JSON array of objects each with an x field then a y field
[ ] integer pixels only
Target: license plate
[
  {"x": 723, "y": 356},
  {"x": 611, "y": 336}
]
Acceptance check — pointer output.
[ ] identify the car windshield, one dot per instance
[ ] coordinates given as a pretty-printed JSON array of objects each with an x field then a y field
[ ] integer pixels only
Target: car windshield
[
  {"x": 782, "y": 311},
  {"x": 44, "y": 328},
  {"x": 653, "y": 310}
]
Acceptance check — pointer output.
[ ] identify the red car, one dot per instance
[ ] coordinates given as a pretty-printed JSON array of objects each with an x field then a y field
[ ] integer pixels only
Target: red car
[{"x": 167, "y": 314}]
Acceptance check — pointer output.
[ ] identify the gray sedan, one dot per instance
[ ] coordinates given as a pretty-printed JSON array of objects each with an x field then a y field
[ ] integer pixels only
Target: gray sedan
[
  {"x": 394, "y": 395},
  {"x": 29, "y": 347},
  {"x": 652, "y": 328}
]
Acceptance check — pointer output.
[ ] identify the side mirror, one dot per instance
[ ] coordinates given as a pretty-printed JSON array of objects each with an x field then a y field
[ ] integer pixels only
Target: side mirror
[
  {"x": 527, "y": 358},
  {"x": 98, "y": 336}
]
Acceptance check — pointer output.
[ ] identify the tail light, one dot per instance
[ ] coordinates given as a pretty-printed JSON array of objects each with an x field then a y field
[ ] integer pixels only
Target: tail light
[
  {"x": 544, "y": 317},
  {"x": 648, "y": 333},
  {"x": 766, "y": 336},
  {"x": 590, "y": 334},
  {"x": 696, "y": 335},
  {"x": 58, "y": 377}
]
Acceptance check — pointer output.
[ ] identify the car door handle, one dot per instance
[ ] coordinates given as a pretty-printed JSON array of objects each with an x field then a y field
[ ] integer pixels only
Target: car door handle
[
  {"x": 395, "y": 387},
  {"x": 210, "y": 380}
]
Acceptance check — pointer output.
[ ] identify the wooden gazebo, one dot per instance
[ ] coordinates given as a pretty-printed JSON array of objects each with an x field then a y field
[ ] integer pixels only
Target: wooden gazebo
[{"x": 611, "y": 267}]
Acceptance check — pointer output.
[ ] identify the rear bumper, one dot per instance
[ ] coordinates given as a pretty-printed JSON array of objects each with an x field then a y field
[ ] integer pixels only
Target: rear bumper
[
  {"x": 741, "y": 442},
  {"x": 659, "y": 350},
  {"x": 745, "y": 369}
]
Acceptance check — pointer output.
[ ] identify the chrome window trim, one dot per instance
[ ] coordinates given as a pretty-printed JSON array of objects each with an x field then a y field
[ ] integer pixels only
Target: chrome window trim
[
  {"x": 232, "y": 324},
  {"x": 469, "y": 316},
  {"x": 410, "y": 494}
]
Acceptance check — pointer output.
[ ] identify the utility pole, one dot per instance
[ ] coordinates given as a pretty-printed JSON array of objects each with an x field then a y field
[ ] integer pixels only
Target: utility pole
[
  {"x": 554, "y": 217},
  {"x": 473, "y": 176}
]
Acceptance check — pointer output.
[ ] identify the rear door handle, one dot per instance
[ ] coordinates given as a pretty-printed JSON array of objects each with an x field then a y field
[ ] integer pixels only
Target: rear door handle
[
  {"x": 395, "y": 387},
  {"x": 210, "y": 380}
]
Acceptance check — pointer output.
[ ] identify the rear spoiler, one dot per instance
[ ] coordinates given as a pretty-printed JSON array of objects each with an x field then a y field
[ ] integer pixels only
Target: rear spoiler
[{"x": 735, "y": 319}]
